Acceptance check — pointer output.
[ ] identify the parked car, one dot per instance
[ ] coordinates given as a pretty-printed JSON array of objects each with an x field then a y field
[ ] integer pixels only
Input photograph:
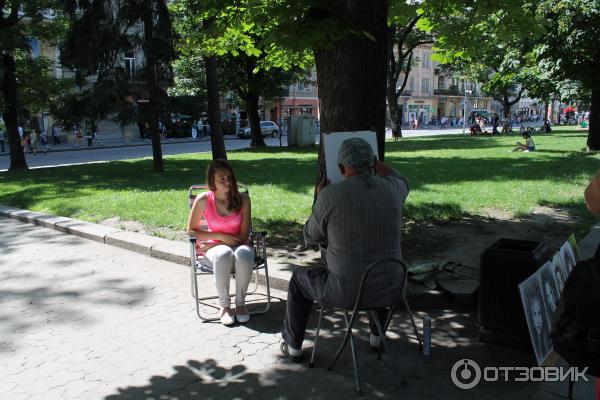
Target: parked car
[{"x": 267, "y": 128}]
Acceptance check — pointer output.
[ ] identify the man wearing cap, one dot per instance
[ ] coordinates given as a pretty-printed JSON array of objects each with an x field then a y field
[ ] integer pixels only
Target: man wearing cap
[{"x": 359, "y": 220}]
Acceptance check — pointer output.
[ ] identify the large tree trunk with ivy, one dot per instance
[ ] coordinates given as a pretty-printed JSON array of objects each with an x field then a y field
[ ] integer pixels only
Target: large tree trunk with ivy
[
  {"x": 593, "y": 140},
  {"x": 352, "y": 74},
  {"x": 9, "y": 114},
  {"x": 214, "y": 109}
]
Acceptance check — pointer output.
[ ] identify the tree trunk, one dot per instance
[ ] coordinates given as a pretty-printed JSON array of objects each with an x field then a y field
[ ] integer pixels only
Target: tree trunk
[
  {"x": 593, "y": 140},
  {"x": 506, "y": 109},
  {"x": 254, "y": 120},
  {"x": 153, "y": 109},
  {"x": 395, "y": 114},
  {"x": 9, "y": 115},
  {"x": 214, "y": 109},
  {"x": 352, "y": 74}
]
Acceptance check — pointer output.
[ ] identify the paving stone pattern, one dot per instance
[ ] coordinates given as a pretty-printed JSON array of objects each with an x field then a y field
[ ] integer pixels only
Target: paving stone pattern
[{"x": 84, "y": 320}]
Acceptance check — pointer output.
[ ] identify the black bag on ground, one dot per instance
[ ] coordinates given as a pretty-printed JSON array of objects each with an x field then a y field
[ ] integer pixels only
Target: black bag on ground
[{"x": 576, "y": 328}]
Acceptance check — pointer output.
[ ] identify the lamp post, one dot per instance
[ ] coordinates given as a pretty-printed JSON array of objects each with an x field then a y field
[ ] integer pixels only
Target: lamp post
[{"x": 467, "y": 93}]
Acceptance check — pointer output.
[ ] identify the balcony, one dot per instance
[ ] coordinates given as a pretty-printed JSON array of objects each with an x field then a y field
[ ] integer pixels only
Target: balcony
[
  {"x": 454, "y": 90},
  {"x": 407, "y": 93},
  {"x": 448, "y": 91}
]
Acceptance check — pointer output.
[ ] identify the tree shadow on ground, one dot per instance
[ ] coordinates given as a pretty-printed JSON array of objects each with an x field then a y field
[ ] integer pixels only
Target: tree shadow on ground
[
  {"x": 268, "y": 375},
  {"x": 29, "y": 295}
]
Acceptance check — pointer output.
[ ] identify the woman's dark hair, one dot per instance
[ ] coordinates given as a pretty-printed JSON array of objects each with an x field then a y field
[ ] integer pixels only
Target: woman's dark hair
[{"x": 235, "y": 200}]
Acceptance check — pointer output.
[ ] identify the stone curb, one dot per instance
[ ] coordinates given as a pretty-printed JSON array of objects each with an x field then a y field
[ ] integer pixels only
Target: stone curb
[
  {"x": 152, "y": 246},
  {"x": 279, "y": 273}
]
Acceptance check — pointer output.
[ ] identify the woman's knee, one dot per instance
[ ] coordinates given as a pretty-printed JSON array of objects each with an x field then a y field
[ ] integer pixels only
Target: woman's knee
[
  {"x": 244, "y": 254},
  {"x": 221, "y": 256}
]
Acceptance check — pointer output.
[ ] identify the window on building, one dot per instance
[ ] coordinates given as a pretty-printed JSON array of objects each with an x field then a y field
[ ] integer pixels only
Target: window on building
[
  {"x": 303, "y": 87},
  {"x": 425, "y": 85},
  {"x": 411, "y": 84},
  {"x": 130, "y": 63},
  {"x": 426, "y": 60},
  {"x": 441, "y": 82},
  {"x": 35, "y": 48}
]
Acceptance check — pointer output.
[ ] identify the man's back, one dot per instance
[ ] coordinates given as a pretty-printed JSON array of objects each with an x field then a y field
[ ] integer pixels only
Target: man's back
[{"x": 361, "y": 217}]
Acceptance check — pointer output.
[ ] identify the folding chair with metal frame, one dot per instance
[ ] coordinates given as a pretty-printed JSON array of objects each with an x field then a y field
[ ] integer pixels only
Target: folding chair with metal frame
[
  {"x": 401, "y": 297},
  {"x": 257, "y": 242}
]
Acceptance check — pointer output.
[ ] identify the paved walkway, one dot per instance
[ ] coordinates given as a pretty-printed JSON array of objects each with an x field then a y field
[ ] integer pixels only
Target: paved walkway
[{"x": 84, "y": 320}]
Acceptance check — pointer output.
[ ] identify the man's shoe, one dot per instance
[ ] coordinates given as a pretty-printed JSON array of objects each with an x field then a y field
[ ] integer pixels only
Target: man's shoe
[
  {"x": 286, "y": 352},
  {"x": 375, "y": 344}
]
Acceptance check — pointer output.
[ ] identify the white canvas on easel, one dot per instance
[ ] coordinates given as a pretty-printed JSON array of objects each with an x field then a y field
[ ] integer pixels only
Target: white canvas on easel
[{"x": 332, "y": 143}]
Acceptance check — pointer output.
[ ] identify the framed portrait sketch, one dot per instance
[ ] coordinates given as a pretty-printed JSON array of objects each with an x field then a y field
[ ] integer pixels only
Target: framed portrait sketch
[
  {"x": 536, "y": 316},
  {"x": 559, "y": 272},
  {"x": 567, "y": 258},
  {"x": 550, "y": 290}
]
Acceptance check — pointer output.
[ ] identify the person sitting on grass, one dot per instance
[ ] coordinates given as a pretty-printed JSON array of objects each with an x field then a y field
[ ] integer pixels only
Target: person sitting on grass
[
  {"x": 529, "y": 145},
  {"x": 225, "y": 243},
  {"x": 475, "y": 129}
]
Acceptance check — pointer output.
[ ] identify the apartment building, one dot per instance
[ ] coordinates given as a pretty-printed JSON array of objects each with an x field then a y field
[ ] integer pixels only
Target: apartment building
[
  {"x": 299, "y": 99},
  {"x": 431, "y": 93}
]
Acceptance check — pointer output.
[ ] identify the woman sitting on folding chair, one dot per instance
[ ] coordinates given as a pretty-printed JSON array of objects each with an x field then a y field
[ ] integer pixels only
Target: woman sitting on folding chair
[{"x": 227, "y": 213}]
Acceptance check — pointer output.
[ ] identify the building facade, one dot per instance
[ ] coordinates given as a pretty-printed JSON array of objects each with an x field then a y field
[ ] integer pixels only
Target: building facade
[{"x": 431, "y": 93}]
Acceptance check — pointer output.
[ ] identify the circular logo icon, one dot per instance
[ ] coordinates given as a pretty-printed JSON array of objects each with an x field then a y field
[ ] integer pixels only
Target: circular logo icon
[{"x": 465, "y": 374}]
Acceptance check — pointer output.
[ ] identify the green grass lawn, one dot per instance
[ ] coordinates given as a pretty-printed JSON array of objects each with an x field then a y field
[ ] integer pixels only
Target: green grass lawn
[{"x": 451, "y": 177}]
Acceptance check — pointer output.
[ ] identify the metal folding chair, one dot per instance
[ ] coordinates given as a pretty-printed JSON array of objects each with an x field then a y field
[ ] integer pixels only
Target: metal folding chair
[
  {"x": 372, "y": 311},
  {"x": 257, "y": 241}
]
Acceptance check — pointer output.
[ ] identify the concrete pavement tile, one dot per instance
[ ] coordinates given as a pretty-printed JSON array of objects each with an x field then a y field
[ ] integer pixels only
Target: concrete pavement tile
[
  {"x": 132, "y": 241},
  {"x": 54, "y": 393},
  {"x": 252, "y": 348},
  {"x": 86, "y": 230},
  {"x": 74, "y": 390},
  {"x": 7, "y": 385},
  {"x": 17, "y": 395}
]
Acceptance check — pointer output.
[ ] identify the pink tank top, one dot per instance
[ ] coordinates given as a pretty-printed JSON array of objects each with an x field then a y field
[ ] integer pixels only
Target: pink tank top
[{"x": 230, "y": 224}]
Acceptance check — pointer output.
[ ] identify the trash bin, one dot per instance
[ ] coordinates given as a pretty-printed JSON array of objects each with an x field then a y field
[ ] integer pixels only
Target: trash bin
[{"x": 504, "y": 265}]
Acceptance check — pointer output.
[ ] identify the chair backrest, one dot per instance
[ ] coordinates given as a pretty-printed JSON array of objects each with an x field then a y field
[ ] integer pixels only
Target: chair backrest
[{"x": 383, "y": 283}]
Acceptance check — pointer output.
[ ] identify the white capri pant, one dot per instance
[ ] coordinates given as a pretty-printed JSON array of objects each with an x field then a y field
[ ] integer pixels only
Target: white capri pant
[{"x": 223, "y": 259}]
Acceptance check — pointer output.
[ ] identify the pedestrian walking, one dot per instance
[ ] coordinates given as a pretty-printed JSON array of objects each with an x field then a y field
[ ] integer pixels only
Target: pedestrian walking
[
  {"x": 495, "y": 119},
  {"x": 34, "y": 140},
  {"x": 44, "y": 142},
  {"x": 55, "y": 139},
  {"x": 194, "y": 131},
  {"x": 78, "y": 137}
]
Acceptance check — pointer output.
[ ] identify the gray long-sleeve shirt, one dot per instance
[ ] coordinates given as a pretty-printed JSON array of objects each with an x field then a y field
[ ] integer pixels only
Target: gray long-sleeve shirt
[{"x": 360, "y": 223}]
